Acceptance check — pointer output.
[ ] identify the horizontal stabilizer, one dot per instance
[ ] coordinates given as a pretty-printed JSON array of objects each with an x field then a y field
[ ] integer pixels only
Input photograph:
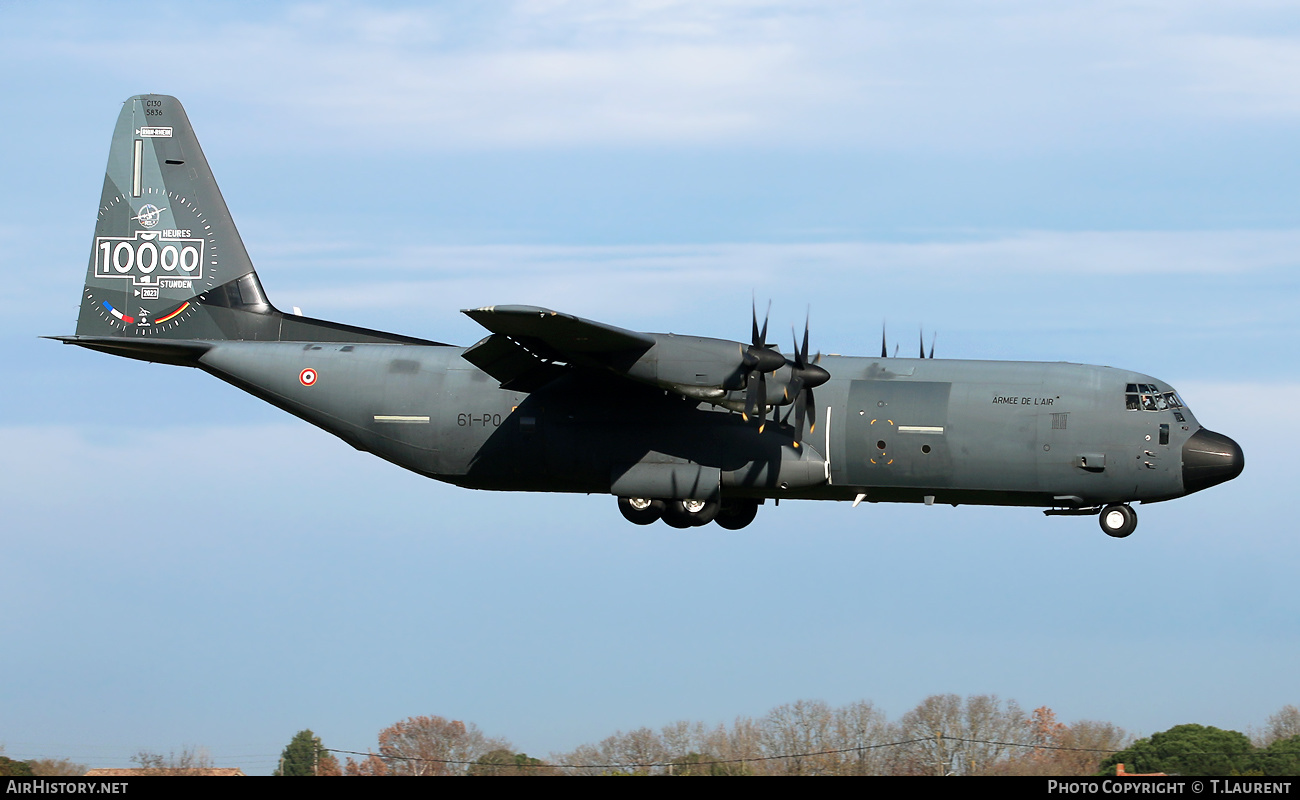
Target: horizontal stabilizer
[{"x": 180, "y": 352}]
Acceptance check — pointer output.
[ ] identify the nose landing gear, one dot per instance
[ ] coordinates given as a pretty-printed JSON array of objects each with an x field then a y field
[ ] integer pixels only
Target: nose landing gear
[{"x": 1118, "y": 520}]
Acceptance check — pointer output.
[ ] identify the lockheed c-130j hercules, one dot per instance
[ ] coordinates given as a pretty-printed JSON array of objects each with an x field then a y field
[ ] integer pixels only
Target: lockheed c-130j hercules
[{"x": 680, "y": 428}]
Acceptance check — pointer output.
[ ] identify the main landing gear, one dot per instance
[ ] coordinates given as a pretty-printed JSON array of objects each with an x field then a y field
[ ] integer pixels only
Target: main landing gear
[
  {"x": 1118, "y": 520},
  {"x": 730, "y": 514}
]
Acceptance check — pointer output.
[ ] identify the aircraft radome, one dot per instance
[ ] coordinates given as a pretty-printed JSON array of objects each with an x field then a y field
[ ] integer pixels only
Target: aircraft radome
[{"x": 680, "y": 428}]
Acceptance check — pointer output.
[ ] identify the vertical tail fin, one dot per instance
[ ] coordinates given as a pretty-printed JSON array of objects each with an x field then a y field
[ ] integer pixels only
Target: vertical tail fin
[
  {"x": 166, "y": 262},
  {"x": 166, "y": 253}
]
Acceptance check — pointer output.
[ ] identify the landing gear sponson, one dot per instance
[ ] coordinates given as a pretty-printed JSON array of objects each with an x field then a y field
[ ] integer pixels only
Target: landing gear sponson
[{"x": 730, "y": 514}]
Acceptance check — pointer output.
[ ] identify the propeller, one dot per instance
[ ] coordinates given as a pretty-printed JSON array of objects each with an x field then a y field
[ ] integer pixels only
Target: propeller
[
  {"x": 805, "y": 375},
  {"x": 760, "y": 360},
  {"x": 921, "y": 338}
]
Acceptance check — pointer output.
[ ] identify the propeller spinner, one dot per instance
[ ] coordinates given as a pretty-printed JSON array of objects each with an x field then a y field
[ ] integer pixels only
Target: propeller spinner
[{"x": 805, "y": 376}]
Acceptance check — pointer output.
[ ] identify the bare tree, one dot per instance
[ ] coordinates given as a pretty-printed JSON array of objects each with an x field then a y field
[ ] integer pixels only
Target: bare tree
[
  {"x": 680, "y": 739},
  {"x": 1089, "y": 742},
  {"x": 633, "y": 751},
  {"x": 801, "y": 731},
  {"x": 372, "y": 766},
  {"x": 51, "y": 767},
  {"x": 1282, "y": 725},
  {"x": 1058, "y": 749},
  {"x": 961, "y": 738},
  {"x": 860, "y": 728},
  {"x": 188, "y": 760},
  {"x": 433, "y": 746}
]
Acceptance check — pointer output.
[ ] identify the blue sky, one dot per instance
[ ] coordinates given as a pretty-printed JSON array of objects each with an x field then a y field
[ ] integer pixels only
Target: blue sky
[{"x": 1110, "y": 183}]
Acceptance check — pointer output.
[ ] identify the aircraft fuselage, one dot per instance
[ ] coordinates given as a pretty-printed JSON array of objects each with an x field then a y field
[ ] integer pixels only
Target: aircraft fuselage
[
  {"x": 894, "y": 429},
  {"x": 686, "y": 429}
]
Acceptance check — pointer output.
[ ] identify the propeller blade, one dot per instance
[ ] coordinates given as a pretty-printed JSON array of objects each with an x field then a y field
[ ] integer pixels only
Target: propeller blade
[
  {"x": 884, "y": 351},
  {"x": 758, "y": 356},
  {"x": 804, "y": 353},
  {"x": 798, "y": 422},
  {"x": 756, "y": 396},
  {"x": 933, "y": 336}
]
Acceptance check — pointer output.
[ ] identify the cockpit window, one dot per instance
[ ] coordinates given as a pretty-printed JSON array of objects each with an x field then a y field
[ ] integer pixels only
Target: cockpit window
[{"x": 1146, "y": 397}]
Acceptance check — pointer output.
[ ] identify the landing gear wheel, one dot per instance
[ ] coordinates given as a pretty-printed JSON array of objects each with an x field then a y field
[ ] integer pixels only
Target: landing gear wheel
[
  {"x": 1118, "y": 520},
  {"x": 736, "y": 514},
  {"x": 640, "y": 510},
  {"x": 690, "y": 513}
]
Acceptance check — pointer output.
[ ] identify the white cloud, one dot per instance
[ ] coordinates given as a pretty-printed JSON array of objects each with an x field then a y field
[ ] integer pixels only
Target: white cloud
[
  {"x": 581, "y": 73},
  {"x": 544, "y": 271},
  {"x": 1040, "y": 294}
]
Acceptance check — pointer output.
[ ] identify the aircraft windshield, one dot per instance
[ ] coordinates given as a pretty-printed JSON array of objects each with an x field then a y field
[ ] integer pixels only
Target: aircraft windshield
[{"x": 1146, "y": 397}]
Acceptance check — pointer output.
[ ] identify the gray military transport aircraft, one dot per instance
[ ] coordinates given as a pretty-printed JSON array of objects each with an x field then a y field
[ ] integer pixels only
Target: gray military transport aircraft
[{"x": 676, "y": 427}]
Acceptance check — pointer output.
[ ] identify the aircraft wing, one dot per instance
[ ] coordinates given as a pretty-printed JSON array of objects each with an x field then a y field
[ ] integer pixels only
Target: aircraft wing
[
  {"x": 530, "y": 346},
  {"x": 563, "y": 332}
]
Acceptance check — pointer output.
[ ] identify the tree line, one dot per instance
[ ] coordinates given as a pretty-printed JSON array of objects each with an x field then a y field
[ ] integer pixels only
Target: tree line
[{"x": 943, "y": 735}]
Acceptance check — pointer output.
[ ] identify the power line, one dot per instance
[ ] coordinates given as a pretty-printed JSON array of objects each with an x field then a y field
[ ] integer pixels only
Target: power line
[{"x": 860, "y": 749}]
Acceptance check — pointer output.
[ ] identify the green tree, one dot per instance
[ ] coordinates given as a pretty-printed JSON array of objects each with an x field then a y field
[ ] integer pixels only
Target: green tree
[
  {"x": 1186, "y": 750},
  {"x": 1282, "y": 757},
  {"x": 503, "y": 762},
  {"x": 55, "y": 767},
  {"x": 14, "y": 769},
  {"x": 693, "y": 764},
  {"x": 305, "y": 755}
]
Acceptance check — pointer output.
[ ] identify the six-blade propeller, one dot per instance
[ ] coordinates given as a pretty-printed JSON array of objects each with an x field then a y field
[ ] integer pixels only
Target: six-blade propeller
[{"x": 760, "y": 359}]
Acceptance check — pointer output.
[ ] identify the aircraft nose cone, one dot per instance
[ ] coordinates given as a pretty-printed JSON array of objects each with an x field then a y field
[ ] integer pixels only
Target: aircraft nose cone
[{"x": 1210, "y": 458}]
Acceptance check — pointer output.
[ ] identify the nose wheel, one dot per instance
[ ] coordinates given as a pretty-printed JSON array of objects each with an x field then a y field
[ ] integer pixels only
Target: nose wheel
[{"x": 1118, "y": 520}]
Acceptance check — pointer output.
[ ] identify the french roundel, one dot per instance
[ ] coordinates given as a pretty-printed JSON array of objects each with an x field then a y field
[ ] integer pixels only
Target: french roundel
[{"x": 307, "y": 377}]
